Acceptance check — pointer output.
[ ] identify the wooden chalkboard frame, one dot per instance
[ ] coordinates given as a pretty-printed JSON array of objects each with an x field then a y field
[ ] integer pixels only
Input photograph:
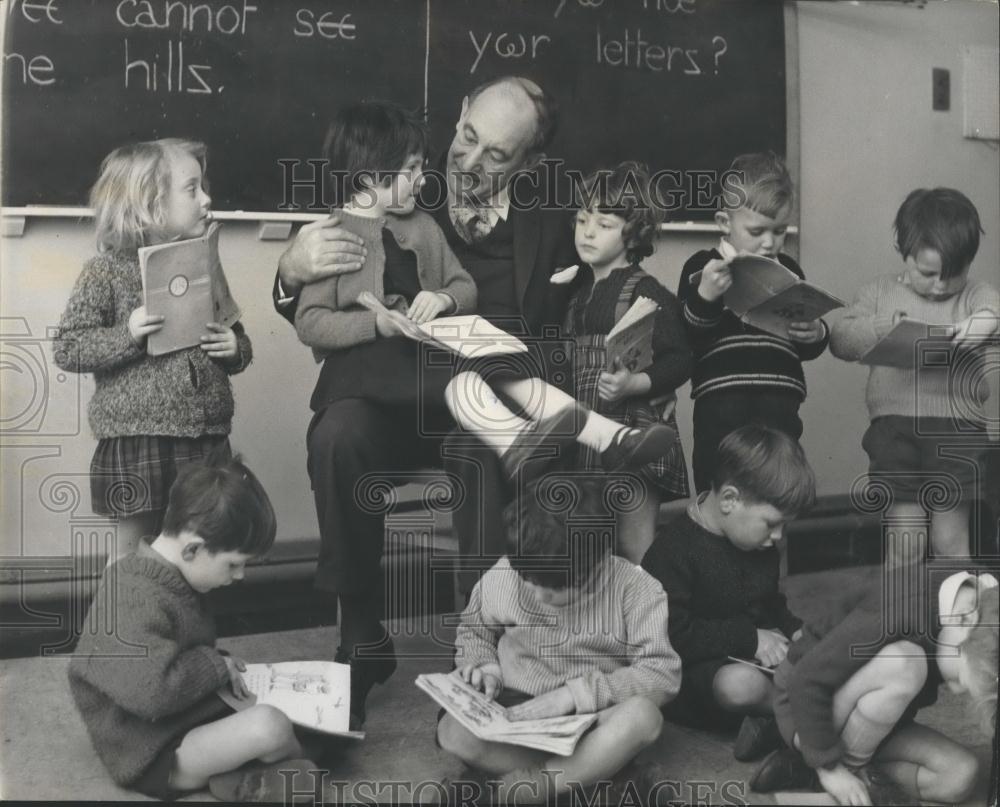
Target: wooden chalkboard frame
[{"x": 15, "y": 218}]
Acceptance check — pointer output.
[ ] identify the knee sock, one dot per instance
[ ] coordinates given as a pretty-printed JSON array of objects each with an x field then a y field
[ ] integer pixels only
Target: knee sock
[
  {"x": 598, "y": 432},
  {"x": 861, "y": 735}
]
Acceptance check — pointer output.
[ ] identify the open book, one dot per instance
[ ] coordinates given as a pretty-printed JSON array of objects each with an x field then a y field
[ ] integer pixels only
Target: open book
[
  {"x": 630, "y": 342},
  {"x": 488, "y": 720},
  {"x": 183, "y": 281},
  {"x": 469, "y": 335},
  {"x": 314, "y": 694},
  {"x": 900, "y": 347},
  {"x": 769, "y": 296}
]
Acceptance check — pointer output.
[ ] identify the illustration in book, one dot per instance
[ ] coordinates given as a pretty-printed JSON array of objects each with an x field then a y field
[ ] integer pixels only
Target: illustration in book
[
  {"x": 629, "y": 343},
  {"x": 487, "y": 720},
  {"x": 468, "y": 335},
  {"x": 183, "y": 282},
  {"x": 314, "y": 694}
]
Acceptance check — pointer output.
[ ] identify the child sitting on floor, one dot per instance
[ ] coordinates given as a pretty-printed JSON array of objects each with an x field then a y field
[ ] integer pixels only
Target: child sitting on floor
[
  {"x": 145, "y": 673},
  {"x": 720, "y": 568},
  {"x": 848, "y": 690},
  {"x": 557, "y": 626}
]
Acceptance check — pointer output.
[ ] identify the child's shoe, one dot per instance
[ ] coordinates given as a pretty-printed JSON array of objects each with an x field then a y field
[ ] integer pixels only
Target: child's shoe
[
  {"x": 365, "y": 673},
  {"x": 757, "y": 736},
  {"x": 269, "y": 783},
  {"x": 633, "y": 448},
  {"x": 784, "y": 769},
  {"x": 560, "y": 430},
  {"x": 882, "y": 790}
]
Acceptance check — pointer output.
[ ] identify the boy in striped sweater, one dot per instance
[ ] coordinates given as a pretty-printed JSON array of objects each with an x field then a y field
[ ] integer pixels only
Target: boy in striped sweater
[
  {"x": 559, "y": 626},
  {"x": 928, "y": 420},
  {"x": 743, "y": 375}
]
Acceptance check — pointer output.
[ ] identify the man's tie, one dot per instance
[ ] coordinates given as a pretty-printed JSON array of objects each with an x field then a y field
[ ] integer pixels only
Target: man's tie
[{"x": 469, "y": 223}]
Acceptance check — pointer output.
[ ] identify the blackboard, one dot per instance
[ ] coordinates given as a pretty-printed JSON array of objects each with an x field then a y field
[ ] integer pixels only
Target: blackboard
[{"x": 682, "y": 85}]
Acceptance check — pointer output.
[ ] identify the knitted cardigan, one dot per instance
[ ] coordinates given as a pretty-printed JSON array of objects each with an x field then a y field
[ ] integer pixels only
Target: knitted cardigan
[
  {"x": 608, "y": 644},
  {"x": 895, "y": 390},
  {"x": 720, "y": 595},
  {"x": 729, "y": 354},
  {"x": 180, "y": 394},
  {"x": 329, "y": 317},
  {"x": 145, "y": 670}
]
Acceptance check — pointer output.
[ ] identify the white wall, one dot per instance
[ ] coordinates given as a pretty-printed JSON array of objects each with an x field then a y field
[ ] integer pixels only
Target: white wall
[{"x": 868, "y": 136}]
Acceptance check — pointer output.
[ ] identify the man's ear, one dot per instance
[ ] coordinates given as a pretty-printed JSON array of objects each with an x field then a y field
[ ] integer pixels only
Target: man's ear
[{"x": 723, "y": 222}]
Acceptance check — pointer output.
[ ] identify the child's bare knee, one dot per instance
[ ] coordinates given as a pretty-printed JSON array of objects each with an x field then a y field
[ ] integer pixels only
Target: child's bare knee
[
  {"x": 738, "y": 688},
  {"x": 270, "y": 726},
  {"x": 455, "y": 739},
  {"x": 903, "y": 666},
  {"x": 453, "y": 391},
  {"x": 962, "y": 775},
  {"x": 643, "y": 718}
]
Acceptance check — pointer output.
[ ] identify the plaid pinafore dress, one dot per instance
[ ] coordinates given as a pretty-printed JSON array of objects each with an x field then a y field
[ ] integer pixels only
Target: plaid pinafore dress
[{"x": 668, "y": 474}]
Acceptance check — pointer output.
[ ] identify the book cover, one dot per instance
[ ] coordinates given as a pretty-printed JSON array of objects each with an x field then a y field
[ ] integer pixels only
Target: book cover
[
  {"x": 630, "y": 342},
  {"x": 314, "y": 694},
  {"x": 487, "y": 720},
  {"x": 901, "y": 347},
  {"x": 467, "y": 335},
  {"x": 769, "y": 296},
  {"x": 183, "y": 281}
]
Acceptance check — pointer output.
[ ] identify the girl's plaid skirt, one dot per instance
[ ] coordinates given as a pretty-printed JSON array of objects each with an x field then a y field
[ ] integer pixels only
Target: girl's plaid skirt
[{"x": 133, "y": 474}]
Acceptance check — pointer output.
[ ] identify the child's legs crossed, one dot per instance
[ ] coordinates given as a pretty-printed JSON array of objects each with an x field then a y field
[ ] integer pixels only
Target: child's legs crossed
[
  {"x": 929, "y": 765},
  {"x": 739, "y": 688},
  {"x": 494, "y": 758},
  {"x": 258, "y": 733}
]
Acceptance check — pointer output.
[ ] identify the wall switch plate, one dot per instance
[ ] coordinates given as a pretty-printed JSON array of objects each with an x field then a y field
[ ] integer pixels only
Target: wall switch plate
[{"x": 940, "y": 89}]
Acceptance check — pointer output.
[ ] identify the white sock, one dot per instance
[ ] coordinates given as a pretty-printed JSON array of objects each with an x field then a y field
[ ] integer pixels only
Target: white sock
[{"x": 599, "y": 432}]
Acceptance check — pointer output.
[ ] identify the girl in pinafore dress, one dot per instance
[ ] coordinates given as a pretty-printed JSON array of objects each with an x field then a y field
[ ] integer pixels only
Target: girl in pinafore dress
[
  {"x": 150, "y": 414},
  {"x": 614, "y": 230}
]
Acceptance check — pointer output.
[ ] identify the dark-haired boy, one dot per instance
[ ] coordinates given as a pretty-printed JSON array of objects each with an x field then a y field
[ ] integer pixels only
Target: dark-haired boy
[
  {"x": 720, "y": 568},
  {"x": 744, "y": 375},
  {"x": 915, "y": 410},
  {"x": 557, "y": 626},
  {"x": 146, "y": 690}
]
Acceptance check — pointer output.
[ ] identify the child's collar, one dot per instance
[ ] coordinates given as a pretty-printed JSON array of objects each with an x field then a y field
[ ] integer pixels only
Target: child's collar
[{"x": 948, "y": 593}]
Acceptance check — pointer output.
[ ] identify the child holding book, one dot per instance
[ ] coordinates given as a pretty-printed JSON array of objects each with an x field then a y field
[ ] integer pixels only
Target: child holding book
[
  {"x": 561, "y": 626},
  {"x": 627, "y": 417},
  {"x": 145, "y": 673},
  {"x": 720, "y": 568},
  {"x": 848, "y": 691},
  {"x": 150, "y": 414},
  {"x": 918, "y": 409},
  {"x": 743, "y": 374}
]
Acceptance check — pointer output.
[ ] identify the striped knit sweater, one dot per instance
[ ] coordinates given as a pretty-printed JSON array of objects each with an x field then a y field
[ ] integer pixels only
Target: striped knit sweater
[
  {"x": 895, "y": 390},
  {"x": 731, "y": 354},
  {"x": 146, "y": 669},
  {"x": 179, "y": 394},
  {"x": 608, "y": 644}
]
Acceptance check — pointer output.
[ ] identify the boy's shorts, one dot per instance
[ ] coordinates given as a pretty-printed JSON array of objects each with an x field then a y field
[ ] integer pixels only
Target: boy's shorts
[
  {"x": 903, "y": 454},
  {"x": 155, "y": 780},
  {"x": 695, "y": 705}
]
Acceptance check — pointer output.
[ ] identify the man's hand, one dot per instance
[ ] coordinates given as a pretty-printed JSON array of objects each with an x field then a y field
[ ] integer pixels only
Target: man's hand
[
  {"x": 141, "y": 324},
  {"x": 806, "y": 332},
  {"x": 220, "y": 342},
  {"x": 716, "y": 278},
  {"x": 320, "y": 249},
  {"x": 843, "y": 785},
  {"x": 556, "y": 703},
  {"x": 485, "y": 678},
  {"x": 771, "y": 647},
  {"x": 236, "y": 667},
  {"x": 427, "y": 305}
]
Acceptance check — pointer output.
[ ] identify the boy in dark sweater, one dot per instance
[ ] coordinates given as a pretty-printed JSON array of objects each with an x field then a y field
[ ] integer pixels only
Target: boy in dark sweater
[
  {"x": 742, "y": 374},
  {"x": 720, "y": 568},
  {"x": 146, "y": 670}
]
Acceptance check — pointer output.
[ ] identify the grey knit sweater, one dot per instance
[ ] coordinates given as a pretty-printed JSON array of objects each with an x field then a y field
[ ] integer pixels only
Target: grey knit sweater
[
  {"x": 329, "y": 316},
  {"x": 608, "y": 644},
  {"x": 181, "y": 394},
  {"x": 146, "y": 669}
]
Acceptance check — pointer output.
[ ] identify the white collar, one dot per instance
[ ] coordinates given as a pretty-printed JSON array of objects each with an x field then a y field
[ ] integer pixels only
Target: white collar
[
  {"x": 497, "y": 208},
  {"x": 727, "y": 250},
  {"x": 948, "y": 593}
]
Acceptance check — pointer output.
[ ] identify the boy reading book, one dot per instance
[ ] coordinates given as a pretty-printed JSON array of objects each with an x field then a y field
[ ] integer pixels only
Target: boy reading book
[
  {"x": 146, "y": 690},
  {"x": 561, "y": 626},
  {"x": 742, "y": 374},
  {"x": 918, "y": 409}
]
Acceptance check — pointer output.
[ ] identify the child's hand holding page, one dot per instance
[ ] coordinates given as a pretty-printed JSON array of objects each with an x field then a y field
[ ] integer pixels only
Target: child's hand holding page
[
  {"x": 806, "y": 332},
  {"x": 485, "y": 678},
  {"x": 220, "y": 341},
  {"x": 772, "y": 647},
  {"x": 236, "y": 667},
  {"x": 620, "y": 383},
  {"x": 427, "y": 305},
  {"x": 716, "y": 278},
  {"x": 556, "y": 703},
  {"x": 141, "y": 324}
]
